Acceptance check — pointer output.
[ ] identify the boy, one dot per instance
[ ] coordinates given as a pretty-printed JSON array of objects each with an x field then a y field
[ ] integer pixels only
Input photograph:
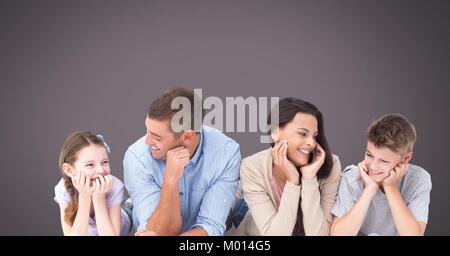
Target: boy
[{"x": 384, "y": 194}]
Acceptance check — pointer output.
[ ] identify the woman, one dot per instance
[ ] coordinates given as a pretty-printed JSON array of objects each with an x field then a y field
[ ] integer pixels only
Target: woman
[{"x": 291, "y": 187}]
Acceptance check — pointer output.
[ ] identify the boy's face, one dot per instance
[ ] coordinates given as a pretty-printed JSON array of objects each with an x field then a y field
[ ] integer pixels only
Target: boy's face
[
  {"x": 379, "y": 161},
  {"x": 160, "y": 138},
  {"x": 92, "y": 161}
]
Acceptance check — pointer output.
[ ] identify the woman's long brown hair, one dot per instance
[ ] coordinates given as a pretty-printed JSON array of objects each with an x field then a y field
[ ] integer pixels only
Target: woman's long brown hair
[{"x": 288, "y": 109}]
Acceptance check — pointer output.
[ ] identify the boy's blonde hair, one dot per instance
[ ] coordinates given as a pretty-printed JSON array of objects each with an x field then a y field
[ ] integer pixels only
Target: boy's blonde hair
[{"x": 393, "y": 131}]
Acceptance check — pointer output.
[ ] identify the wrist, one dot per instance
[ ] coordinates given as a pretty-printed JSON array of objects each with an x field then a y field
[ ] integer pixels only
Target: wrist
[
  {"x": 84, "y": 197},
  {"x": 98, "y": 197},
  {"x": 389, "y": 187},
  {"x": 308, "y": 177},
  {"x": 370, "y": 190}
]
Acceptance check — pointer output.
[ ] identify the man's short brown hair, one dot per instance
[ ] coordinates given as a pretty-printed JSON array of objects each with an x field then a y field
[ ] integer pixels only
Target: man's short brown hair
[
  {"x": 161, "y": 108},
  {"x": 393, "y": 131}
]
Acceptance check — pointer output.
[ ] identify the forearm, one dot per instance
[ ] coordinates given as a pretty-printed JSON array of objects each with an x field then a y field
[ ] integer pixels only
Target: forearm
[
  {"x": 281, "y": 222},
  {"x": 103, "y": 221},
  {"x": 405, "y": 222},
  {"x": 350, "y": 223},
  {"x": 195, "y": 232},
  {"x": 166, "y": 220},
  {"x": 314, "y": 219},
  {"x": 81, "y": 222}
]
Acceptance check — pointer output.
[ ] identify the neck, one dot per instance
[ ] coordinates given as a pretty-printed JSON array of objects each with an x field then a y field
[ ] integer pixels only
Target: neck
[{"x": 192, "y": 147}]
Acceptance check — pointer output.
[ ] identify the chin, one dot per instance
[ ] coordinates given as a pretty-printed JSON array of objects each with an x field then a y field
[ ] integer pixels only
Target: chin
[{"x": 300, "y": 162}]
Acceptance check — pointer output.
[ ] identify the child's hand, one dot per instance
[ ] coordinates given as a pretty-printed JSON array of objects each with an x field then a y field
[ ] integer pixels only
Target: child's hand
[
  {"x": 395, "y": 175},
  {"x": 310, "y": 170},
  {"x": 102, "y": 185},
  {"x": 369, "y": 183},
  {"x": 82, "y": 183}
]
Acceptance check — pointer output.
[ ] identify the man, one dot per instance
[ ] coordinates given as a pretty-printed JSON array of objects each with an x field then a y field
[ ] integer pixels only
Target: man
[
  {"x": 384, "y": 194},
  {"x": 180, "y": 182}
]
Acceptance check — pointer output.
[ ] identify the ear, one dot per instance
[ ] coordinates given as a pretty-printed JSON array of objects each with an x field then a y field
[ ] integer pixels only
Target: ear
[
  {"x": 188, "y": 136},
  {"x": 408, "y": 157},
  {"x": 275, "y": 134},
  {"x": 69, "y": 170}
]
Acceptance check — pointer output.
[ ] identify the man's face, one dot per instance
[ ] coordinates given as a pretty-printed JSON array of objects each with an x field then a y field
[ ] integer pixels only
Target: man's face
[
  {"x": 160, "y": 137},
  {"x": 379, "y": 161}
]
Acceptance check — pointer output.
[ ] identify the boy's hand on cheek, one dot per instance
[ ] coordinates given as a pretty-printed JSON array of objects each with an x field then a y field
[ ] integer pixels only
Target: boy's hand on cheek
[
  {"x": 369, "y": 183},
  {"x": 395, "y": 175}
]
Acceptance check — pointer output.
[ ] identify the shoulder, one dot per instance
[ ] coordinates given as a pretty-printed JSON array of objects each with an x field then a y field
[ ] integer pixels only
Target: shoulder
[
  {"x": 351, "y": 174},
  {"x": 62, "y": 196},
  {"x": 335, "y": 170},
  {"x": 257, "y": 162},
  {"x": 116, "y": 183},
  {"x": 217, "y": 145},
  {"x": 216, "y": 139},
  {"x": 418, "y": 176},
  {"x": 138, "y": 148}
]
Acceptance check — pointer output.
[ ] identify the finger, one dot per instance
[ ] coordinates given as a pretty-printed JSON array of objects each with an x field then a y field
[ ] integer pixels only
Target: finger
[
  {"x": 102, "y": 181},
  {"x": 98, "y": 185},
  {"x": 284, "y": 151},
  {"x": 362, "y": 166}
]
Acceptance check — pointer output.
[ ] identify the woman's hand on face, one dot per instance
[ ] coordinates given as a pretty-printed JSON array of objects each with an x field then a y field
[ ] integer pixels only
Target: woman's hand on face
[
  {"x": 280, "y": 160},
  {"x": 102, "y": 185},
  {"x": 310, "y": 170},
  {"x": 82, "y": 184}
]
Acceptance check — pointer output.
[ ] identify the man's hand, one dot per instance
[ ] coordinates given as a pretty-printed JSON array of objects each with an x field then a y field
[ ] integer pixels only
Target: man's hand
[
  {"x": 279, "y": 154},
  {"x": 310, "y": 170},
  {"x": 395, "y": 175},
  {"x": 369, "y": 183},
  {"x": 177, "y": 159}
]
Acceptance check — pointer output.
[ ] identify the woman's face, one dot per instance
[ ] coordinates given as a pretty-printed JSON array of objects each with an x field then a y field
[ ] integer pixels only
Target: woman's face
[{"x": 301, "y": 135}]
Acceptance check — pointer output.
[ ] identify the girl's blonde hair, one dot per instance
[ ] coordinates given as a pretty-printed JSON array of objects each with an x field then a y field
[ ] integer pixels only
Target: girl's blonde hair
[{"x": 75, "y": 142}]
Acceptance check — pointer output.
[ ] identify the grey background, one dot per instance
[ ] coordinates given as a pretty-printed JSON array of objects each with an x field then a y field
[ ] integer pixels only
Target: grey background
[{"x": 97, "y": 65}]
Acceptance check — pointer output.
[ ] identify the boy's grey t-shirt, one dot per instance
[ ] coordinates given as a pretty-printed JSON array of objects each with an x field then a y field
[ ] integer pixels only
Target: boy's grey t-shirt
[{"x": 414, "y": 187}]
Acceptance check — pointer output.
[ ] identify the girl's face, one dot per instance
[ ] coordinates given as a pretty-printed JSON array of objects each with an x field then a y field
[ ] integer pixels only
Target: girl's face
[
  {"x": 92, "y": 161},
  {"x": 301, "y": 135}
]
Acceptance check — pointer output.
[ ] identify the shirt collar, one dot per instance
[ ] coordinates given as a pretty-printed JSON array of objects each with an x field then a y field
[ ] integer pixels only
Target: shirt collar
[{"x": 198, "y": 152}]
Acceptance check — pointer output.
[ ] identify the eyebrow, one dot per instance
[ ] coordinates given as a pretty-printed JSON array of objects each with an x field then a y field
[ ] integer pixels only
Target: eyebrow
[
  {"x": 154, "y": 134},
  {"x": 382, "y": 159}
]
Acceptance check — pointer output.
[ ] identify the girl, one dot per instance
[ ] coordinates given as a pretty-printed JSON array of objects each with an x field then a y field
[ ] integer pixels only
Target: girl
[
  {"x": 89, "y": 197},
  {"x": 291, "y": 187}
]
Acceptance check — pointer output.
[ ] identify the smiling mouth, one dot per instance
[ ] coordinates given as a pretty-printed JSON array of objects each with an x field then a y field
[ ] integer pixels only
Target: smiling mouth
[
  {"x": 375, "y": 173},
  {"x": 303, "y": 151}
]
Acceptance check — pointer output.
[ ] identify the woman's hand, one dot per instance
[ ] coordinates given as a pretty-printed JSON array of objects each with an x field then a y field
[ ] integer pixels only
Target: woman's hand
[
  {"x": 310, "y": 170},
  {"x": 279, "y": 154}
]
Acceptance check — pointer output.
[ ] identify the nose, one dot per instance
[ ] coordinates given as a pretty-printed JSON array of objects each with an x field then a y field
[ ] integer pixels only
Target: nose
[
  {"x": 311, "y": 142},
  {"x": 148, "y": 139},
  {"x": 372, "y": 165},
  {"x": 101, "y": 171}
]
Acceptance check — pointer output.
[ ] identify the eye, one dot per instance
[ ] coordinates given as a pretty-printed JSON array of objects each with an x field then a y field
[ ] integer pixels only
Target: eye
[
  {"x": 384, "y": 161},
  {"x": 302, "y": 134},
  {"x": 369, "y": 155},
  {"x": 105, "y": 162},
  {"x": 89, "y": 165}
]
